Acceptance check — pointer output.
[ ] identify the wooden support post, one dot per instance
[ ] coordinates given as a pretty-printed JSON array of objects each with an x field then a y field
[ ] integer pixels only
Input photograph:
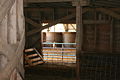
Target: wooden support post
[
  {"x": 66, "y": 27},
  {"x": 111, "y": 35},
  {"x": 79, "y": 37},
  {"x": 20, "y": 19}
]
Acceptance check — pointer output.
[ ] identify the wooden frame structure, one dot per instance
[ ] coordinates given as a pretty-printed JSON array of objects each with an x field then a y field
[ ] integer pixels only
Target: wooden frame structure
[{"x": 106, "y": 11}]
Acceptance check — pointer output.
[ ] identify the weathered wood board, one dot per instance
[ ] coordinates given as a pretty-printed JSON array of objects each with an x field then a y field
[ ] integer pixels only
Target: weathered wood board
[{"x": 11, "y": 40}]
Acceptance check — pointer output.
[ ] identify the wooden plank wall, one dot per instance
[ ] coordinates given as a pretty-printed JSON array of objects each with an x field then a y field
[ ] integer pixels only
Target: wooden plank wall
[
  {"x": 11, "y": 39},
  {"x": 98, "y": 50}
]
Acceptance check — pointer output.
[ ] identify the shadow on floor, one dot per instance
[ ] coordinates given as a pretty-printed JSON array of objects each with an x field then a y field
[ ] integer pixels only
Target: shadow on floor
[{"x": 50, "y": 72}]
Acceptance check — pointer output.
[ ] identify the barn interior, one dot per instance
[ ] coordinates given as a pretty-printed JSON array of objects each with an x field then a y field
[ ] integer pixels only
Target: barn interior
[
  {"x": 72, "y": 39},
  {"x": 60, "y": 39},
  {"x": 57, "y": 40}
]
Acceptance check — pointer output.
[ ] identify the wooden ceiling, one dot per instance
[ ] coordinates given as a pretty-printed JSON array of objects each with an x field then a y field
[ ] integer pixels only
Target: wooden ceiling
[
  {"x": 47, "y": 11},
  {"x": 39, "y": 1},
  {"x": 68, "y": 3}
]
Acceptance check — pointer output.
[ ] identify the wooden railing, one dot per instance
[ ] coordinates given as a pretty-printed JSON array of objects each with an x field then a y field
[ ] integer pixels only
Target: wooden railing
[{"x": 59, "y": 54}]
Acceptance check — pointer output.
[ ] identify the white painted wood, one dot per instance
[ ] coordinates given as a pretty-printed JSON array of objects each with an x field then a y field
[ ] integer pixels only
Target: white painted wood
[
  {"x": 5, "y": 6},
  {"x": 3, "y": 28},
  {"x": 12, "y": 25},
  {"x": 20, "y": 19}
]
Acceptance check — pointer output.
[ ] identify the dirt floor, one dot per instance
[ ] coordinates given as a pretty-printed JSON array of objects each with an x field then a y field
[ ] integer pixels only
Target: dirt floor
[{"x": 50, "y": 72}]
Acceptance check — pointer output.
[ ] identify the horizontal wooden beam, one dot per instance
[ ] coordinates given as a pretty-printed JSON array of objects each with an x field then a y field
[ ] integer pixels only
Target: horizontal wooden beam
[
  {"x": 51, "y": 24},
  {"x": 109, "y": 12},
  {"x": 59, "y": 20},
  {"x": 95, "y": 22},
  {"x": 38, "y": 1},
  {"x": 105, "y": 3},
  {"x": 39, "y": 28},
  {"x": 64, "y": 22},
  {"x": 70, "y": 9},
  {"x": 81, "y": 2},
  {"x": 84, "y": 22},
  {"x": 37, "y": 9}
]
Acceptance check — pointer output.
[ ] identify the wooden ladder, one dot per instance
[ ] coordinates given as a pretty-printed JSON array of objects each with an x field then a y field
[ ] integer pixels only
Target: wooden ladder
[{"x": 32, "y": 57}]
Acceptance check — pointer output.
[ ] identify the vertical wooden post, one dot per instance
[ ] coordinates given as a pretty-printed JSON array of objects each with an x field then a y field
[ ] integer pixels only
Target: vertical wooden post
[
  {"x": 40, "y": 43},
  {"x": 111, "y": 35},
  {"x": 79, "y": 36},
  {"x": 20, "y": 18}
]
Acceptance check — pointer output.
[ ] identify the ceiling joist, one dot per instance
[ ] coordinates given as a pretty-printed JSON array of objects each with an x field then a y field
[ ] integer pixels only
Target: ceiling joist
[{"x": 39, "y": 27}]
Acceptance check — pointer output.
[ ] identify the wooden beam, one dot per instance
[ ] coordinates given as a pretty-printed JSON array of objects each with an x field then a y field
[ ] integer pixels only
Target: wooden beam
[
  {"x": 28, "y": 20},
  {"x": 79, "y": 37},
  {"x": 95, "y": 22},
  {"x": 74, "y": 22},
  {"x": 81, "y": 2},
  {"x": 50, "y": 24},
  {"x": 20, "y": 19},
  {"x": 32, "y": 9},
  {"x": 38, "y": 1},
  {"x": 69, "y": 17},
  {"x": 59, "y": 20},
  {"x": 106, "y": 3},
  {"x": 64, "y": 22},
  {"x": 73, "y": 27},
  {"x": 109, "y": 12},
  {"x": 66, "y": 27},
  {"x": 84, "y": 22}
]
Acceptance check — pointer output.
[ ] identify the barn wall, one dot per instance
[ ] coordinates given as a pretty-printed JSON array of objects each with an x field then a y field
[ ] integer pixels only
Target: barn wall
[
  {"x": 11, "y": 39},
  {"x": 98, "y": 50},
  {"x": 100, "y": 53}
]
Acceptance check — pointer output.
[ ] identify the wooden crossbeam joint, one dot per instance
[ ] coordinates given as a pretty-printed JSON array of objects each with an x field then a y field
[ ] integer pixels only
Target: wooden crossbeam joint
[
  {"x": 50, "y": 24},
  {"x": 81, "y": 2}
]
